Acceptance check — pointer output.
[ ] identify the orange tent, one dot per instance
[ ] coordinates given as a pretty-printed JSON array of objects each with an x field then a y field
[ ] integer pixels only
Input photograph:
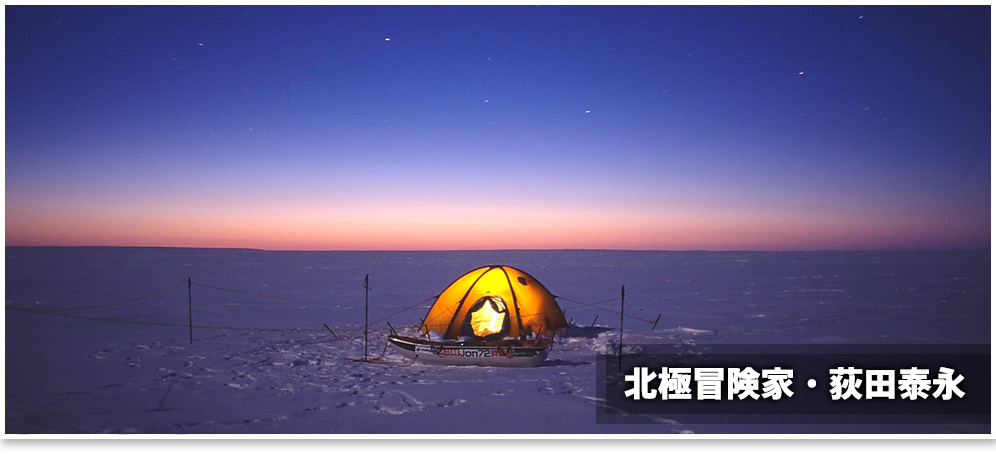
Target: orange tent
[{"x": 494, "y": 302}]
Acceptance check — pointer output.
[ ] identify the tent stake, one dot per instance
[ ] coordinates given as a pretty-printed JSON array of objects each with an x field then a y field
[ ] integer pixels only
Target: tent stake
[
  {"x": 655, "y": 322},
  {"x": 190, "y": 311},
  {"x": 622, "y": 310},
  {"x": 592, "y": 326},
  {"x": 330, "y": 331}
]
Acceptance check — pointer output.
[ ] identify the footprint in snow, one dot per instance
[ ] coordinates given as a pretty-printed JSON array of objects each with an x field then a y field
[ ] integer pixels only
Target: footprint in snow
[
  {"x": 306, "y": 410},
  {"x": 396, "y": 402},
  {"x": 450, "y": 403}
]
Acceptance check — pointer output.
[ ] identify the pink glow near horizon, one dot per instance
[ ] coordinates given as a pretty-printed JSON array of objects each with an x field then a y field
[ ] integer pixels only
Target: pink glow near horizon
[{"x": 487, "y": 227}]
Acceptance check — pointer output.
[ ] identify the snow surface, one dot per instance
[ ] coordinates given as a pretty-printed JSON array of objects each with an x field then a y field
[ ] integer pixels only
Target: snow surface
[{"x": 95, "y": 374}]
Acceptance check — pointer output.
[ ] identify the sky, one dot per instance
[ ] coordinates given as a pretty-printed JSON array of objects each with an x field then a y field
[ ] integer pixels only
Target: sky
[{"x": 423, "y": 128}]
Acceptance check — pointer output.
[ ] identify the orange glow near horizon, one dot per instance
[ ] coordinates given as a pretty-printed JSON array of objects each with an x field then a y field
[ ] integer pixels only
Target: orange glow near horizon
[{"x": 496, "y": 226}]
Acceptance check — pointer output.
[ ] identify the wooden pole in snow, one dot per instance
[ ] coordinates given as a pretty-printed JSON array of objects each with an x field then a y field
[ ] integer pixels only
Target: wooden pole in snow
[
  {"x": 622, "y": 310},
  {"x": 190, "y": 311},
  {"x": 366, "y": 313}
]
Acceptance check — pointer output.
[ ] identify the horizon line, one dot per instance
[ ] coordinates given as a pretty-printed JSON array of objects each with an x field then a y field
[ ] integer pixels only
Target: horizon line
[{"x": 402, "y": 250}]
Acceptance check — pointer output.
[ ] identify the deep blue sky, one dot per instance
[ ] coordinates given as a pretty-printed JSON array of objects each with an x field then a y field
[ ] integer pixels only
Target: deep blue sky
[{"x": 478, "y": 127}]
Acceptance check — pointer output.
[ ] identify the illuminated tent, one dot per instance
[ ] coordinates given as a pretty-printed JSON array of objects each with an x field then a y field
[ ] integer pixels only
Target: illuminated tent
[{"x": 494, "y": 302}]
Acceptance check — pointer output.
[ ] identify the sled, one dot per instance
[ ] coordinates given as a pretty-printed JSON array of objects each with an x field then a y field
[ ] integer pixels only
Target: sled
[{"x": 505, "y": 353}]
